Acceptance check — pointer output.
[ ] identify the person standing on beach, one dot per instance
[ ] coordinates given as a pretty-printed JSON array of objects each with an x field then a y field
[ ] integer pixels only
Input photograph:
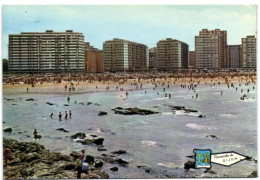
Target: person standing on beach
[
  {"x": 51, "y": 115},
  {"x": 70, "y": 114},
  {"x": 7, "y": 154},
  {"x": 82, "y": 155},
  {"x": 68, "y": 99},
  {"x": 60, "y": 115},
  {"x": 66, "y": 115},
  {"x": 78, "y": 165},
  {"x": 27, "y": 89},
  {"x": 35, "y": 134}
]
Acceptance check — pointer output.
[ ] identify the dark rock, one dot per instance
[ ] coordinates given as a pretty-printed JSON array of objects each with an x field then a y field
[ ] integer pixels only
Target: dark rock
[
  {"x": 74, "y": 154},
  {"x": 93, "y": 135},
  {"x": 8, "y": 130},
  {"x": 212, "y": 136},
  {"x": 89, "y": 159},
  {"x": 98, "y": 163},
  {"x": 98, "y": 140},
  {"x": 89, "y": 103},
  {"x": 14, "y": 161},
  {"x": 122, "y": 162},
  {"x": 66, "y": 105},
  {"x": 102, "y": 113},
  {"x": 101, "y": 174},
  {"x": 49, "y": 103},
  {"x": 114, "y": 168},
  {"x": 97, "y": 104},
  {"x": 31, "y": 157},
  {"x": 61, "y": 129},
  {"x": 27, "y": 172},
  {"x": 78, "y": 135},
  {"x": 147, "y": 170},
  {"x": 177, "y": 107},
  {"x": 90, "y": 176},
  {"x": 30, "y": 99},
  {"x": 133, "y": 111},
  {"x": 190, "y": 110},
  {"x": 201, "y": 116},
  {"x": 119, "y": 152},
  {"x": 101, "y": 149},
  {"x": 210, "y": 171},
  {"x": 189, "y": 165},
  {"x": 253, "y": 174},
  {"x": 69, "y": 166},
  {"x": 38, "y": 137}
]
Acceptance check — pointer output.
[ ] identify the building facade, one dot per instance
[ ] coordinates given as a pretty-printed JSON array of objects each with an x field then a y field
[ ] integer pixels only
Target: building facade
[
  {"x": 249, "y": 52},
  {"x": 46, "y": 51},
  {"x": 93, "y": 59},
  {"x": 152, "y": 59},
  {"x": 192, "y": 59},
  {"x": 211, "y": 49},
  {"x": 172, "y": 54},
  {"x": 234, "y": 56},
  {"x": 122, "y": 55}
]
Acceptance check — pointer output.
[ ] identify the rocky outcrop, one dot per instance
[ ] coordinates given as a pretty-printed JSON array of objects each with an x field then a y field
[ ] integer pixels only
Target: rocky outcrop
[
  {"x": 253, "y": 174},
  {"x": 189, "y": 165},
  {"x": 49, "y": 103},
  {"x": 8, "y": 130},
  {"x": 178, "y": 108},
  {"x": 212, "y": 136},
  {"x": 114, "y": 160},
  {"x": 30, "y": 99},
  {"x": 92, "y": 139},
  {"x": 133, "y": 111},
  {"x": 114, "y": 168},
  {"x": 90, "y": 159},
  {"x": 63, "y": 130},
  {"x": 102, "y": 113},
  {"x": 79, "y": 135},
  {"x": 119, "y": 152},
  {"x": 31, "y": 160}
]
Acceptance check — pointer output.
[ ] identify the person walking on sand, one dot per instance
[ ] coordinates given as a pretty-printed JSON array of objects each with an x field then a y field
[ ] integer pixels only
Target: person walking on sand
[
  {"x": 7, "y": 154},
  {"x": 60, "y": 115},
  {"x": 27, "y": 89},
  {"x": 51, "y": 115},
  {"x": 68, "y": 99}
]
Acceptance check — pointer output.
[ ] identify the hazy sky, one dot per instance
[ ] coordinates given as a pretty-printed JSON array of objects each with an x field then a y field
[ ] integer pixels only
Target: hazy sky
[{"x": 145, "y": 24}]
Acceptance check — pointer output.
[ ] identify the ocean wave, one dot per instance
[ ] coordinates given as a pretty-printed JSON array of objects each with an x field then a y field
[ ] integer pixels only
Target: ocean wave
[
  {"x": 149, "y": 143},
  {"x": 168, "y": 165},
  {"x": 195, "y": 126},
  {"x": 227, "y": 115}
]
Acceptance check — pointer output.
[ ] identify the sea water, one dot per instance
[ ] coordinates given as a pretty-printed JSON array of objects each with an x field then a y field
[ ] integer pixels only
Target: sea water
[{"x": 160, "y": 141}]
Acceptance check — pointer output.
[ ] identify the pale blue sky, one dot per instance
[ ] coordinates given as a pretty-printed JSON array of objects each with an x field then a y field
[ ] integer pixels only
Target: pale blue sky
[{"x": 145, "y": 24}]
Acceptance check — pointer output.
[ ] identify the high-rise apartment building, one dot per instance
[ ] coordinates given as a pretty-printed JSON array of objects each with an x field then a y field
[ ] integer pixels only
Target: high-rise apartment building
[
  {"x": 46, "y": 51},
  {"x": 234, "y": 56},
  {"x": 211, "y": 49},
  {"x": 172, "y": 54},
  {"x": 93, "y": 59},
  {"x": 249, "y": 52},
  {"x": 123, "y": 55},
  {"x": 192, "y": 58},
  {"x": 152, "y": 59}
]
